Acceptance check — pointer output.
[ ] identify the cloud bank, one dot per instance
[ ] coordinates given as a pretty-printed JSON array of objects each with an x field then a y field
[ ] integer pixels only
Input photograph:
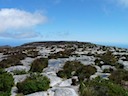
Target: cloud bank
[{"x": 16, "y": 19}]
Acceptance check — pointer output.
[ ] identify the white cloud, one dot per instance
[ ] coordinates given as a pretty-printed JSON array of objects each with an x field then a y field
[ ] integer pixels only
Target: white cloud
[{"x": 16, "y": 19}]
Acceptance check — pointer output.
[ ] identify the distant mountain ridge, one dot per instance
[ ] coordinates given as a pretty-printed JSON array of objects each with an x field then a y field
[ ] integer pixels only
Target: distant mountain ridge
[
  {"x": 5, "y": 46},
  {"x": 54, "y": 43}
]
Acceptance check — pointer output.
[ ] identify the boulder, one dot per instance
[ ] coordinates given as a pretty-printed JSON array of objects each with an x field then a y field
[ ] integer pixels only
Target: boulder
[
  {"x": 54, "y": 80},
  {"x": 20, "y": 78},
  {"x": 38, "y": 94},
  {"x": 65, "y": 92},
  {"x": 66, "y": 83},
  {"x": 19, "y": 68}
]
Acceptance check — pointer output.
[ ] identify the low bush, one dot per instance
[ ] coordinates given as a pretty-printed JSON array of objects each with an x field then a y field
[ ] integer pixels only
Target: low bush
[
  {"x": 62, "y": 54},
  {"x": 118, "y": 75},
  {"x": 85, "y": 72},
  {"x": 6, "y": 83},
  {"x": 75, "y": 68},
  {"x": 12, "y": 60},
  {"x": 109, "y": 59},
  {"x": 69, "y": 69},
  {"x": 4, "y": 94},
  {"x": 39, "y": 64},
  {"x": 8, "y": 62},
  {"x": 99, "y": 87},
  {"x": 32, "y": 54},
  {"x": 19, "y": 94},
  {"x": 62, "y": 74},
  {"x": 72, "y": 65},
  {"x": 34, "y": 83}
]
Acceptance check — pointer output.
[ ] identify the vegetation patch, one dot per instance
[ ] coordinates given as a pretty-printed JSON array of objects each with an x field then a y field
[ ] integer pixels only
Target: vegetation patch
[
  {"x": 34, "y": 83},
  {"x": 118, "y": 76},
  {"x": 39, "y": 64},
  {"x": 75, "y": 68},
  {"x": 85, "y": 72},
  {"x": 108, "y": 59},
  {"x": 12, "y": 60},
  {"x": 69, "y": 69},
  {"x": 32, "y": 54},
  {"x": 6, "y": 83},
  {"x": 100, "y": 87},
  {"x": 62, "y": 54}
]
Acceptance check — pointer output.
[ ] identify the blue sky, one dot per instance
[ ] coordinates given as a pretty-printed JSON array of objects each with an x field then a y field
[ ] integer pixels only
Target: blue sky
[{"x": 97, "y": 21}]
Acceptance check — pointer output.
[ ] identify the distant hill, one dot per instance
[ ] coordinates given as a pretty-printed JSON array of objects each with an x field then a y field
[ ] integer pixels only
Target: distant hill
[
  {"x": 54, "y": 43},
  {"x": 5, "y": 46}
]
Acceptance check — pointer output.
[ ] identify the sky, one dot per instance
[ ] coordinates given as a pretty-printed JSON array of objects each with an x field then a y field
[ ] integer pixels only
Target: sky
[{"x": 96, "y": 21}]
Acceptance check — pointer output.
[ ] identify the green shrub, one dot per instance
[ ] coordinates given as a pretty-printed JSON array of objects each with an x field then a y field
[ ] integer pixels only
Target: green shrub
[
  {"x": 32, "y": 54},
  {"x": 12, "y": 60},
  {"x": 62, "y": 54},
  {"x": 75, "y": 68},
  {"x": 118, "y": 75},
  {"x": 62, "y": 74},
  {"x": 116, "y": 90},
  {"x": 99, "y": 87},
  {"x": 6, "y": 83},
  {"x": 109, "y": 58},
  {"x": 19, "y": 94},
  {"x": 4, "y": 94},
  {"x": 69, "y": 69},
  {"x": 39, "y": 64},
  {"x": 72, "y": 65},
  {"x": 34, "y": 83},
  {"x": 85, "y": 90},
  {"x": 85, "y": 72},
  {"x": 8, "y": 62},
  {"x": 2, "y": 71}
]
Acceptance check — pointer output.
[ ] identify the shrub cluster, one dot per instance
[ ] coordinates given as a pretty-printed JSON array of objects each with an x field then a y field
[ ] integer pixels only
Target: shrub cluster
[
  {"x": 85, "y": 72},
  {"x": 39, "y": 64},
  {"x": 12, "y": 60},
  {"x": 99, "y": 87},
  {"x": 108, "y": 58},
  {"x": 6, "y": 83},
  {"x": 62, "y": 54},
  {"x": 118, "y": 76},
  {"x": 69, "y": 69},
  {"x": 75, "y": 68},
  {"x": 32, "y": 54},
  {"x": 34, "y": 83}
]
